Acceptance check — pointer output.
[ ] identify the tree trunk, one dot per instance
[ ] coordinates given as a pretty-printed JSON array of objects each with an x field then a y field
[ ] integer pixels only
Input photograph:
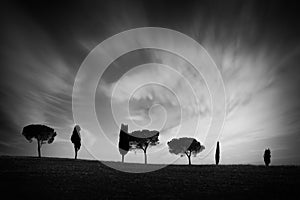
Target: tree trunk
[
  {"x": 123, "y": 158},
  {"x": 75, "y": 153},
  {"x": 39, "y": 148},
  {"x": 145, "y": 154},
  {"x": 189, "y": 157}
]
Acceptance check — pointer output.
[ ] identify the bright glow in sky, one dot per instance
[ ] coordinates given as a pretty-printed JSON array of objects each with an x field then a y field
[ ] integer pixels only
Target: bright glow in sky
[{"x": 255, "y": 46}]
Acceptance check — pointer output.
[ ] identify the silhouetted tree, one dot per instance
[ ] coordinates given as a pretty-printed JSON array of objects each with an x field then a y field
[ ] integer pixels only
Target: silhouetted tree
[
  {"x": 41, "y": 133},
  {"x": 123, "y": 141},
  {"x": 267, "y": 157},
  {"x": 185, "y": 146},
  {"x": 217, "y": 156},
  {"x": 76, "y": 139},
  {"x": 142, "y": 140}
]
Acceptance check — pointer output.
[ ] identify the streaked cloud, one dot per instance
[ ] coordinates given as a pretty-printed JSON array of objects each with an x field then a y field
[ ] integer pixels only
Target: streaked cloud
[{"x": 254, "y": 44}]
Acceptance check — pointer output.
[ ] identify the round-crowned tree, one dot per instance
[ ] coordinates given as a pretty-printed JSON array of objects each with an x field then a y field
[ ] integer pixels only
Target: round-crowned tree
[
  {"x": 41, "y": 133},
  {"x": 185, "y": 146},
  {"x": 143, "y": 140}
]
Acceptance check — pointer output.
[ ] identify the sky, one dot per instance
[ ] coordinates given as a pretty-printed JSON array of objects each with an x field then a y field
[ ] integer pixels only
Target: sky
[{"x": 254, "y": 44}]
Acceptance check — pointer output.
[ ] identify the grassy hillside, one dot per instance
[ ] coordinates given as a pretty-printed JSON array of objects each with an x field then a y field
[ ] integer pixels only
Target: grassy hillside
[{"x": 54, "y": 178}]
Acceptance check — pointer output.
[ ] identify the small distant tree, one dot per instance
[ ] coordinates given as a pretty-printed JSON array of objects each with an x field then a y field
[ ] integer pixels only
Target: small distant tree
[
  {"x": 41, "y": 133},
  {"x": 123, "y": 141},
  {"x": 142, "y": 140},
  {"x": 185, "y": 146},
  {"x": 267, "y": 157},
  {"x": 217, "y": 155},
  {"x": 76, "y": 139}
]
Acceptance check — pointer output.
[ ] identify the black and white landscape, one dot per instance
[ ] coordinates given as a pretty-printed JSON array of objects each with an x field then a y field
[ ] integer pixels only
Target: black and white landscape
[{"x": 150, "y": 99}]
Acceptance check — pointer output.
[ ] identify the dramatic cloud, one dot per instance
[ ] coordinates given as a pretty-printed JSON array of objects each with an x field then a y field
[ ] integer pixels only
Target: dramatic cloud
[{"x": 254, "y": 44}]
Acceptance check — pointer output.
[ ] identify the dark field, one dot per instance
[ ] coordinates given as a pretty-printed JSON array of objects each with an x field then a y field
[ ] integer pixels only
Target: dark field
[{"x": 54, "y": 178}]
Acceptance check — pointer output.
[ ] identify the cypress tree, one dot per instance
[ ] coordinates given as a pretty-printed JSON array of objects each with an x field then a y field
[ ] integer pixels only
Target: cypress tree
[
  {"x": 123, "y": 141},
  {"x": 217, "y": 156},
  {"x": 267, "y": 157}
]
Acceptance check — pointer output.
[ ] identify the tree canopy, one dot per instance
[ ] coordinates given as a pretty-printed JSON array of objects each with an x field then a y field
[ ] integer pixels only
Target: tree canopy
[
  {"x": 185, "y": 146},
  {"x": 39, "y": 132},
  {"x": 142, "y": 140}
]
